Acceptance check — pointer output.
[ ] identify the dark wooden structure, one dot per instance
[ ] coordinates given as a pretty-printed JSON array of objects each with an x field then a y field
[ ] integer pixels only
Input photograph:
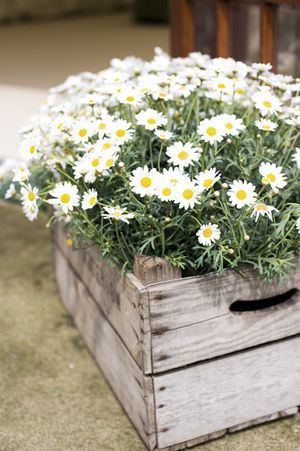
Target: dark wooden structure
[{"x": 182, "y": 15}]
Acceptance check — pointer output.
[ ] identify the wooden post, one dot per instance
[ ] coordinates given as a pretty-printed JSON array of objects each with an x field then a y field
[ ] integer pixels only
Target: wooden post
[
  {"x": 268, "y": 34},
  {"x": 223, "y": 28},
  {"x": 182, "y": 27}
]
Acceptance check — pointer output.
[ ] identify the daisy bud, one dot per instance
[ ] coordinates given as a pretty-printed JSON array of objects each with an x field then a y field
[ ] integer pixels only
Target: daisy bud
[
  {"x": 224, "y": 185},
  {"x": 150, "y": 216},
  {"x": 230, "y": 251},
  {"x": 258, "y": 136},
  {"x": 212, "y": 217},
  {"x": 211, "y": 203},
  {"x": 217, "y": 193},
  {"x": 275, "y": 190},
  {"x": 246, "y": 237},
  {"x": 228, "y": 141},
  {"x": 121, "y": 164},
  {"x": 167, "y": 219}
]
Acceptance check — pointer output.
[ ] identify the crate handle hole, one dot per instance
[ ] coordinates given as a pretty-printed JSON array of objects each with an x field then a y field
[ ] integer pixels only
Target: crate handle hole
[{"x": 261, "y": 304}]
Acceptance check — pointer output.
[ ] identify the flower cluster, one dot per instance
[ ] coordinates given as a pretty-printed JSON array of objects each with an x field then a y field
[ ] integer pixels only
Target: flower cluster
[{"x": 194, "y": 159}]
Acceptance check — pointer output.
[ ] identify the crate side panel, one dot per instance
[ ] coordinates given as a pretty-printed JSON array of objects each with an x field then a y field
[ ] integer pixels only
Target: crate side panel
[
  {"x": 225, "y": 334},
  {"x": 228, "y": 391},
  {"x": 131, "y": 387},
  {"x": 118, "y": 296}
]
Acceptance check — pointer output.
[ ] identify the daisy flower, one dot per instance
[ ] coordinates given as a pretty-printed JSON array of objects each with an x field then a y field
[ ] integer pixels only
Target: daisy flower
[
  {"x": 82, "y": 130},
  {"x": 262, "y": 209},
  {"x": 21, "y": 173},
  {"x": 29, "y": 150},
  {"x": 296, "y": 156},
  {"x": 186, "y": 194},
  {"x": 30, "y": 211},
  {"x": 119, "y": 131},
  {"x": 89, "y": 199},
  {"x": 163, "y": 135},
  {"x": 211, "y": 130},
  {"x": 65, "y": 196},
  {"x": 103, "y": 124},
  {"x": 130, "y": 96},
  {"x": 231, "y": 124},
  {"x": 298, "y": 225},
  {"x": 182, "y": 155},
  {"x": 222, "y": 85},
  {"x": 208, "y": 234},
  {"x": 272, "y": 175},
  {"x": 151, "y": 119},
  {"x": 207, "y": 178},
  {"x": 266, "y": 124},
  {"x": 29, "y": 194},
  {"x": 164, "y": 189},
  {"x": 175, "y": 176},
  {"x": 142, "y": 181},
  {"x": 266, "y": 102},
  {"x": 11, "y": 192},
  {"x": 241, "y": 193},
  {"x": 117, "y": 213}
]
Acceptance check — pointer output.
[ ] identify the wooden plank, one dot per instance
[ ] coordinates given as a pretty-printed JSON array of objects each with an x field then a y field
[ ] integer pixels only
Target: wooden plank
[
  {"x": 225, "y": 392},
  {"x": 132, "y": 388},
  {"x": 224, "y": 334},
  {"x": 182, "y": 27},
  {"x": 117, "y": 296},
  {"x": 190, "y": 300},
  {"x": 268, "y": 34},
  {"x": 151, "y": 269},
  {"x": 223, "y": 28},
  {"x": 275, "y": 416}
]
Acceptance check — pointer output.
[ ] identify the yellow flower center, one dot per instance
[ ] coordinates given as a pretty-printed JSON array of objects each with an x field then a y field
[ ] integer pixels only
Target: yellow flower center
[
  {"x": 239, "y": 91},
  {"x": 151, "y": 121},
  {"x": 59, "y": 126},
  {"x": 162, "y": 94},
  {"x": 95, "y": 162},
  {"x": 221, "y": 86},
  {"x": 32, "y": 149},
  {"x": 130, "y": 99},
  {"x": 117, "y": 214},
  {"x": 120, "y": 133},
  {"x": 102, "y": 126},
  {"x": 188, "y": 194},
  {"x": 265, "y": 127},
  {"x": 207, "y": 232},
  {"x": 183, "y": 155},
  {"x": 261, "y": 207},
  {"x": 267, "y": 104},
  {"x": 174, "y": 182},
  {"x": 208, "y": 182},
  {"x": 229, "y": 125},
  {"x": 211, "y": 131},
  {"x": 241, "y": 194},
  {"x": 69, "y": 242},
  {"x": 106, "y": 146},
  {"x": 65, "y": 198},
  {"x": 271, "y": 177},
  {"x": 82, "y": 132},
  {"x": 31, "y": 196},
  {"x": 92, "y": 200},
  {"x": 146, "y": 182},
  {"x": 166, "y": 191},
  {"x": 109, "y": 162}
]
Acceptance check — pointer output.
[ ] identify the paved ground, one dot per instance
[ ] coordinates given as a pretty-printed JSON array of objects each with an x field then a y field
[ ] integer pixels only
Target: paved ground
[{"x": 52, "y": 395}]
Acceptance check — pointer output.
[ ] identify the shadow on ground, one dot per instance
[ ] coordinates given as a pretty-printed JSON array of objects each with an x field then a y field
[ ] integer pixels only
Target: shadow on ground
[{"x": 52, "y": 395}]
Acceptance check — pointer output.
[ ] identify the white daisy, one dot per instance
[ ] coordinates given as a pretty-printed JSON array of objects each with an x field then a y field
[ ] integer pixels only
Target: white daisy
[
  {"x": 211, "y": 130},
  {"x": 207, "y": 178},
  {"x": 241, "y": 193},
  {"x": 103, "y": 124},
  {"x": 174, "y": 176},
  {"x": 232, "y": 125},
  {"x": 163, "y": 135},
  {"x": 129, "y": 96},
  {"x": 65, "y": 196},
  {"x": 266, "y": 102},
  {"x": 262, "y": 209},
  {"x": 82, "y": 130},
  {"x": 208, "y": 234},
  {"x": 89, "y": 199},
  {"x": 186, "y": 194},
  {"x": 151, "y": 119},
  {"x": 29, "y": 194},
  {"x": 119, "y": 131},
  {"x": 164, "y": 189},
  {"x": 266, "y": 124},
  {"x": 182, "y": 155},
  {"x": 118, "y": 213},
  {"x": 21, "y": 173},
  {"x": 30, "y": 211},
  {"x": 29, "y": 150},
  {"x": 296, "y": 156},
  {"x": 11, "y": 192},
  {"x": 272, "y": 175},
  {"x": 142, "y": 181}
]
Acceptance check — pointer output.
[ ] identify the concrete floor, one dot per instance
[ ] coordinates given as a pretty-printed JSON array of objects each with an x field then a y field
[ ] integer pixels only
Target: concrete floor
[{"x": 53, "y": 397}]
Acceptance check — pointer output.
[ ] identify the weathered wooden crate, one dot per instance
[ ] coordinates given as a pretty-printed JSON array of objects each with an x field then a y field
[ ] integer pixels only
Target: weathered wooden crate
[{"x": 185, "y": 362}]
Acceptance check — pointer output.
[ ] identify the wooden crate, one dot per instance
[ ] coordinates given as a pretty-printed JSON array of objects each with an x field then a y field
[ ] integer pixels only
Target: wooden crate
[{"x": 184, "y": 366}]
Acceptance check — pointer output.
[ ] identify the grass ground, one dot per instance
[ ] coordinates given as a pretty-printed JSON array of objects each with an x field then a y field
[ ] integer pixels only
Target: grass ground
[{"x": 53, "y": 397}]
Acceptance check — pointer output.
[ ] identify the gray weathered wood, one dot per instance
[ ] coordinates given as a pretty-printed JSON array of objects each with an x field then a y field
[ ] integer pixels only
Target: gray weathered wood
[
  {"x": 224, "y": 392},
  {"x": 154, "y": 269},
  {"x": 132, "y": 388},
  {"x": 116, "y": 295}
]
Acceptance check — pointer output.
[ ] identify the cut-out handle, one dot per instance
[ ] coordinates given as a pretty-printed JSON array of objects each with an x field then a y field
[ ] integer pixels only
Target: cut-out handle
[{"x": 260, "y": 304}]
